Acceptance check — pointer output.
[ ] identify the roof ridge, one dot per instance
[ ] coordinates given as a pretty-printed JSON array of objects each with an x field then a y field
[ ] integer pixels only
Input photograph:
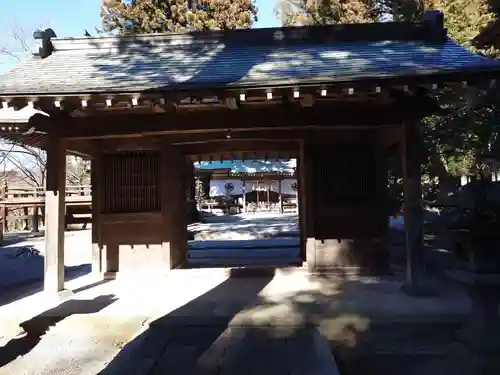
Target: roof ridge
[{"x": 340, "y": 33}]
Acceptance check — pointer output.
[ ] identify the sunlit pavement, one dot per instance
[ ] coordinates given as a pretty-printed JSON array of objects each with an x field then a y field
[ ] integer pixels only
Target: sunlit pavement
[
  {"x": 250, "y": 226},
  {"x": 345, "y": 310},
  {"x": 84, "y": 335}
]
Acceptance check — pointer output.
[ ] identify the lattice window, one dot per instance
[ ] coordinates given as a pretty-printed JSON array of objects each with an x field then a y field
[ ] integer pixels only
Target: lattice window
[
  {"x": 131, "y": 182},
  {"x": 348, "y": 177}
]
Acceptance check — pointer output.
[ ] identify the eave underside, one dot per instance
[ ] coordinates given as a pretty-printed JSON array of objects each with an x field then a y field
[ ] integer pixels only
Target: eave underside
[
  {"x": 270, "y": 130},
  {"x": 234, "y": 125}
]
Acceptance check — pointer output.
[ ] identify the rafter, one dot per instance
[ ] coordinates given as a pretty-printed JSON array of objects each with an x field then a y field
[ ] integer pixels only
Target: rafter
[{"x": 273, "y": 117}]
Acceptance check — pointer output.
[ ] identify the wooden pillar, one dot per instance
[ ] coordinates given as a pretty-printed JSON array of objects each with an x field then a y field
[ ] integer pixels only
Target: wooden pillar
[
  {"x": 26, "y": 221},
  {"x": 54, "y": 215},
  {"x": 268, "y": 194},
  {"x": 257, "y": 196},
  {"x": 190, "y": 185},
  {"x": 35, "y": 220},
  {"x": 304, "y": 211},
  {"x": 95, "y": 172},
  {"x": 3, "y": 209},
  {"x": 412, "y": 157},
  {"x": 173, "y": 197},
  {"x": 244, "y": 196},
  {"x": 192, "y": 210},
  {"x": 280, "y": 198},
  {"x": 5, "y": 214}
]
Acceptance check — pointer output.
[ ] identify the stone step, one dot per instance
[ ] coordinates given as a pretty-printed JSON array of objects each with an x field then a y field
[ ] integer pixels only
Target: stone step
[
  {"x": 252, "y": 351},
  {"x": 246, "y": 262},
  {"x": 244, "y": 244},
  {"x": 243, "y": 254},
  {"x": 230, "y": 350}
]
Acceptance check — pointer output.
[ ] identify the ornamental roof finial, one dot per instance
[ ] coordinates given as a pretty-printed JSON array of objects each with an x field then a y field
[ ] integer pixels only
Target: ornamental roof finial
[{"x": 46, "y": 48}]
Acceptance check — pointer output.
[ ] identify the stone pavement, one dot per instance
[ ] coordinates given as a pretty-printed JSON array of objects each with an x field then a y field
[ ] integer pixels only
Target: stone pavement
[
  {"x": 270, "y": 306},
  {"x": 235, "y": 350}
]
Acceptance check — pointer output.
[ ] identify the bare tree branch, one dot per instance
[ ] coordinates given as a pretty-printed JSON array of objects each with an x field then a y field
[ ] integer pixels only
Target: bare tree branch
[{"x": 25, "y": 164}]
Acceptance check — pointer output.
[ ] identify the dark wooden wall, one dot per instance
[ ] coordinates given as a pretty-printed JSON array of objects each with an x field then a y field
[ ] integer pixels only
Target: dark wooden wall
[
  {"x": 143, "y": 216},
  {"x": 346, "y": 220}
]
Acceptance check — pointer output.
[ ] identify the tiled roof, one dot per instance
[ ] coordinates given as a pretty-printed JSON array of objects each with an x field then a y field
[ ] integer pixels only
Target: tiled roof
[
  {"x": 250, "y": 166},
  {"x": 114, "y": 64}
]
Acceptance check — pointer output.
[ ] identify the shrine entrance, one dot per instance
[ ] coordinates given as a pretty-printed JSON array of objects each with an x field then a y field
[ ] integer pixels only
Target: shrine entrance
[
  {"x": 248, "y": 205},
  {"x": 248, "y": 186},
  {"x": 337, "y": 99}
]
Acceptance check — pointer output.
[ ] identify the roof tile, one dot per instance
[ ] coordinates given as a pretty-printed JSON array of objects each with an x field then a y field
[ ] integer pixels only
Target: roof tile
[{"x": 98, "y": 65}]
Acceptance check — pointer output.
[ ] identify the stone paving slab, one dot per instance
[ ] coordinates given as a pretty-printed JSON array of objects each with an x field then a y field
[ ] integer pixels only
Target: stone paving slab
[
  {"x": 346, "y": 311},
  {"x": 214, "y": 350},
  {"x": 245, "y": 244}
]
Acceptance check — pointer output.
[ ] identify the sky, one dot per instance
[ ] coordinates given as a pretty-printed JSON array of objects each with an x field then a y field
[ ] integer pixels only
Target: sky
[{"x": 71, "y": 18}]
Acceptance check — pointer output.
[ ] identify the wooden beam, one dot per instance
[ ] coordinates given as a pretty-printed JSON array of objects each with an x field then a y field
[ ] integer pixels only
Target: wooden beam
[
  {"x": 237, "y": 146},
  {"x": 266, "y": 137},
  {"x": 280, "y": 135},
  {"x": 54, "y": 215},
  {"x": 412, "y": 158},
  {"x": 96, "y": 177},
  {"x": 220, "y": 156},
  {"x": 279, "y": 116}
]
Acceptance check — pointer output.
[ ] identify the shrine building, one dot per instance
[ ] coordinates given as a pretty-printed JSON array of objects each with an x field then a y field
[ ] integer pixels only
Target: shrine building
[{"x": 250, "y": 185}]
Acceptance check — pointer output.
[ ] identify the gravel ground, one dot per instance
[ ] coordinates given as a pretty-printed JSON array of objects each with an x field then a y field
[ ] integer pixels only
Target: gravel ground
[
  {"x": 22, "y": 262},
  {"x": 220, "y": 236}
]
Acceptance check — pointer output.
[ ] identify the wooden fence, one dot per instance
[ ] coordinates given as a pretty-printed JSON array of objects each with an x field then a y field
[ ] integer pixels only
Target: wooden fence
[{"x": 23, "y": 208}]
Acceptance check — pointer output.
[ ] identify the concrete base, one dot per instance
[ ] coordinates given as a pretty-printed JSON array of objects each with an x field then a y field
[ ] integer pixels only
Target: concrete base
[
  {"x": 109, "y": 275},
  {"x": 60, "y": 296}
]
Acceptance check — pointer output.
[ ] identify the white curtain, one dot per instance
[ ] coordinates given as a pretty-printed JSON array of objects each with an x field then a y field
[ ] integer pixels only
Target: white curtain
[
  {"x": 218, "y": 187},
  {"x": 286, "y": 187}
]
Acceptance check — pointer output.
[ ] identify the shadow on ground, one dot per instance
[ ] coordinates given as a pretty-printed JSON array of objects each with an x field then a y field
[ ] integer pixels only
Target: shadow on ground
[
  {"x": 256, "y": 333},
  {"x": 38, "y": 326},
  {"x": 22, "y": 272}
]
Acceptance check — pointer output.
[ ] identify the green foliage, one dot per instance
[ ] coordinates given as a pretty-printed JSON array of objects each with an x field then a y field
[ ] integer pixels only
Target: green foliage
[
  {"x": 323, "y": 12},
  {"x": 478, "y": 209},
  {"x": 464, "y": 19},
  {"x": 468, "y": 124},
  {"x": 466, "y": 128},
  {"x": 155, "y": 16}
]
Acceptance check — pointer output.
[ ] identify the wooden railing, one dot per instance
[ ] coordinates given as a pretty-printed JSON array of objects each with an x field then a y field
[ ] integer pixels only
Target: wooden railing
[
  {"x": 29, "y": 196},
  {"x": 23, "y": 208}
]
